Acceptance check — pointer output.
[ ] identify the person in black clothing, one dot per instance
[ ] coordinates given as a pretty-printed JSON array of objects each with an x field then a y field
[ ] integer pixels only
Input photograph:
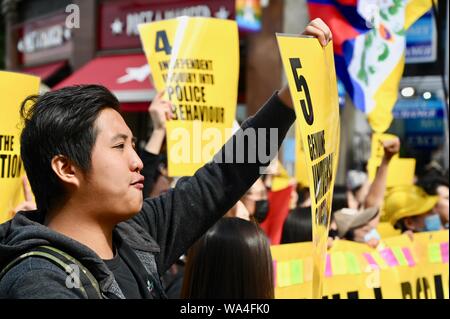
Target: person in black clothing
[{"x": 79, "y": 156}]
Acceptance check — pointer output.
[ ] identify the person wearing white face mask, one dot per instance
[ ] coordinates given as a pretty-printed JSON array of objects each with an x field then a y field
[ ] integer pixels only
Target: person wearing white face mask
[
  {"x": 359, "y": 226},
  {"x": 409, "y": 208}
]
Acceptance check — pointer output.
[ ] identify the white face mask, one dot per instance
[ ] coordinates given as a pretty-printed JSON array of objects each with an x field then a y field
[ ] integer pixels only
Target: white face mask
[{"x": 373, "y": 234}]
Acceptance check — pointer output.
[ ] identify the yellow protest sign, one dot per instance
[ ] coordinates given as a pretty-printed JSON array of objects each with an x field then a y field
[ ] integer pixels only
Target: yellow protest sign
[
  {"x": 400, "y": 269},
  {"x": 14, "y": 88},
  {"x": 385, "y": 229},
  {"x": 196, "y": 61},
  {"x": 293, "y": 254},
  {"x": 311, "y": 76},
  {"x": 400, "y": 171}
]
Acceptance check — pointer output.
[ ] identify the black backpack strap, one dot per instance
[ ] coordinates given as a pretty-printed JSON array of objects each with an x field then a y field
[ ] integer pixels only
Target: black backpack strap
[{"x": 78, "y": 276}]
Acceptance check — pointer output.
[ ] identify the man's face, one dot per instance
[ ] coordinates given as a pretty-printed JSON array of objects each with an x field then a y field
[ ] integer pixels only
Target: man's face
[
  {"x": 417, "y": 223},
  {"x": 113, "y": 186},
  {"x": 360, "y": 233},
  {"x": 363, "y": 233}
]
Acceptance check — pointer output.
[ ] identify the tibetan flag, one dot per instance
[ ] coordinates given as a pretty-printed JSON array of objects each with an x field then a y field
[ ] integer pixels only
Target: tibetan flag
[{"x": 369, "y": 46}]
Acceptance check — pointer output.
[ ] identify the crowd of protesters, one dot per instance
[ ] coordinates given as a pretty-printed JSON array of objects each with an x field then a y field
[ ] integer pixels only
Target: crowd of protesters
[{"x": 192, "y": 237}]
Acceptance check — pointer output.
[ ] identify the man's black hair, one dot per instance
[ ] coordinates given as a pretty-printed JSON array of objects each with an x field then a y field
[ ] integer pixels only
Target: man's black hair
[{"x": 60, "y": 123}]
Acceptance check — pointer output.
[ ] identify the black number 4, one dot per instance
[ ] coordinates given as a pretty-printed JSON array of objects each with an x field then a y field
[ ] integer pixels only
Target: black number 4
[{"x": 162, "y": 42}]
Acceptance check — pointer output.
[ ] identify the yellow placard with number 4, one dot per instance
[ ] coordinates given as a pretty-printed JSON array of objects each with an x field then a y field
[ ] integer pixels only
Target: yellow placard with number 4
[{"x": 196, "y": 61}]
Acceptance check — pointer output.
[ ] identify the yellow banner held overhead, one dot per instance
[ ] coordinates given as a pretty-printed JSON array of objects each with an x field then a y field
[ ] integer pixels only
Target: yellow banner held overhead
[
  {"x": 14, "y": 88},
  {"x": 398, "y": 268},
  {"x": 400, "y": 170},
  {"x": 311, "y": 75},
  {"x": 196, "y": 61}
]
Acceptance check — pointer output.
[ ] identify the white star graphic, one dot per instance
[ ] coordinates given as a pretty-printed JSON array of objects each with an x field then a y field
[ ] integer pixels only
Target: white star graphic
[
  {"x": 223, "y": 13},
  {"x": 135, "y": 74},
  {"x": 117, "y": 26}
]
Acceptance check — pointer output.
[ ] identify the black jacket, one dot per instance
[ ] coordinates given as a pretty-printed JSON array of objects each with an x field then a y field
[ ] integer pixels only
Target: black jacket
[{"x": 163, "y": 230}]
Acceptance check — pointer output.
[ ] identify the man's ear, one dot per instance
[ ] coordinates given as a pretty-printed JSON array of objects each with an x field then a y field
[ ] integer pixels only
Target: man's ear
[{"x": 65, "y": 170}]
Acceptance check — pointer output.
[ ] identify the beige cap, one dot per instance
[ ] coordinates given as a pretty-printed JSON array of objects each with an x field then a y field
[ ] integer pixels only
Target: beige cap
[{"x": 348, "y": 218}]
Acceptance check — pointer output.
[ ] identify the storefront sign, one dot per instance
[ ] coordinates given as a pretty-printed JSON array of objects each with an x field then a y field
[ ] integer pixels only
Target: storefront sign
[
  {"x": 44, "y": 40},
  {"x": 119, "y": 20},
  {"x": 421, "y": 40},
  {"x": 418, "y": 108},
  {"x": 423, "y": 121}
]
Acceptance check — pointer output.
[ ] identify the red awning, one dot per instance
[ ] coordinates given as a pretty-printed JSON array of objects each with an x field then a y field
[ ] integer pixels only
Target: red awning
[
  {"x": 127, "y": 76},
  {"x": 45, "y": 71}
]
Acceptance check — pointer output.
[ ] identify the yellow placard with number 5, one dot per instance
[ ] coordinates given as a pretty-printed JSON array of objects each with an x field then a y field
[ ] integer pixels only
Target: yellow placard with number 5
[{"x": 311, "y": 76}]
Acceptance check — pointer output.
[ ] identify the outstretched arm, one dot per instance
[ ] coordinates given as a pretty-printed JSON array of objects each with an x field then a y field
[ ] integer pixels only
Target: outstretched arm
[{"x": 160, "y": 111}]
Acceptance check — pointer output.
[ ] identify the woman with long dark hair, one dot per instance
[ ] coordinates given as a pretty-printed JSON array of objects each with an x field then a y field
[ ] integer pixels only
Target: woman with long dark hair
[{"x": 232, "y": 260}]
